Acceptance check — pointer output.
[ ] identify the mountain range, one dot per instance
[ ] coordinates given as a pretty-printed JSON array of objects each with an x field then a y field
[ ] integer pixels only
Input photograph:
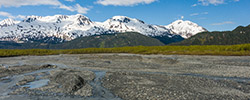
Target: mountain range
[
  {"x": 61, "y": 28},
  {"x": 78, "y": 31}
]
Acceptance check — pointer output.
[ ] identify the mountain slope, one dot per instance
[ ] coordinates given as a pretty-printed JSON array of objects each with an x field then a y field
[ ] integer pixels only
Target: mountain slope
[
  {"x": 112, "y": 40},
  {"x": 240, "y": 35},
  {"x": 185, "y": 28},
  {"x": 96, "y": 41},
  {"x": 167, "y": 40}
]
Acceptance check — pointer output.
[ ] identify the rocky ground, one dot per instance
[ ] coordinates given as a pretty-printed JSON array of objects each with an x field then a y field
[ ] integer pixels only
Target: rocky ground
[{"x": 125, "y": 76}]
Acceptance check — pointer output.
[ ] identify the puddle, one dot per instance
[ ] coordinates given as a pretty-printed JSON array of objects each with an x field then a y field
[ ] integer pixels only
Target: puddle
[
  {"x": 37, "y": 84},
  {"x": 7, "y": 83}
]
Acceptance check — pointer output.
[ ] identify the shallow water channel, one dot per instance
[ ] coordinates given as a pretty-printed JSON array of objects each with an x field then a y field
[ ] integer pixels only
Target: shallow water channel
[{"x": 99, "y": 92}]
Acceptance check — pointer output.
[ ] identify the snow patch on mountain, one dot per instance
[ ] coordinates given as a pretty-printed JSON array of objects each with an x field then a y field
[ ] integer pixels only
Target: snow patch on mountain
[
  {"x": 8, "y": 22},
  {"x": 185, "y": 28},
  {"x": 126, "y": 24}
]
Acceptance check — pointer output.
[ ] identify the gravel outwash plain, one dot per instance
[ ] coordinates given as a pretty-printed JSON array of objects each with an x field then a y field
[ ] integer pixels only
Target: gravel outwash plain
[{"x": 125, "y": 77}]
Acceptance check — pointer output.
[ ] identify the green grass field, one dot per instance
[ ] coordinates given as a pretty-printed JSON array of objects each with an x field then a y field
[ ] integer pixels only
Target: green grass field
[{"x": 227, "y": 50}]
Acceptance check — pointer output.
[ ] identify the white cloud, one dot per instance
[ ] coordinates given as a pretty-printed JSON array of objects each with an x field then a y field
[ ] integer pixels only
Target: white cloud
[
  {"x": 55, "y": 3},
  {"x": 222, "y": 23},
  {"x": 69, "y": 8},
  {"x": 194, "y": 5},
  {"x": 124, "y": 2},
  {"x": 204, "y": 13},
  {"x": 6, "y": 14},
  {"x": 196, "y": 14},
  {"x": 80, "y": 9},
  {"x": 213, "y": 2},
  {"x": 70, "y": 0},
  {"x": 19, "y": 3},
  {"x": 20, "y": 16}
]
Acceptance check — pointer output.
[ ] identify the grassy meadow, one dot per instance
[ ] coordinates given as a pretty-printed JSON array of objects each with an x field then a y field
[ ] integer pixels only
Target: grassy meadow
[{"x": 226, "y": 50}]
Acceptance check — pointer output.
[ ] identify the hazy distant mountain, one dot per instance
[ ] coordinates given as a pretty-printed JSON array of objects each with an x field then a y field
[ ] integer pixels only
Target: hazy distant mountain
[{"x": 240, "y": 35}]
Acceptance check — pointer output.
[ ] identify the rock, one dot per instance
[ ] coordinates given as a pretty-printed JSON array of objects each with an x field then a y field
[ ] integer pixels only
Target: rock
[
  {"x": 1, "y": 66},
  {"x": 84, "y": 91},
  {"x": 26, "y": 80},
  {"x": 20, "y": 83},
  {"x": 48, "y": 66},
  {"x": 70, "y": 81},
  {"x": 18, "y": 91}
]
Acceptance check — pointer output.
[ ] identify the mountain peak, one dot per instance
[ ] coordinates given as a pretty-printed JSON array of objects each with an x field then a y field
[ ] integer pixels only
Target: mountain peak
[
  {"x": 242, "y": 29},
  {"x": 179, "y": 20},
  {"x": 184, "y": 22},
  {"x": 32, "y": 18},
  {"x": 61, "y": 16},
  {"x": 125, "y": 19},
  {"x": 79, "y": 16},
  {"x": 185, "y": 28},
  {"x": 8, "y": 22},
  {"x": 83, "y": 19},
  {"x": 122, "y": 19}
]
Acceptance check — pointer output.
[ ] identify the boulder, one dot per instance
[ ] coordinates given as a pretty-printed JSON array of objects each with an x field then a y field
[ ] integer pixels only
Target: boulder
[{"x": 70, "y": 81}]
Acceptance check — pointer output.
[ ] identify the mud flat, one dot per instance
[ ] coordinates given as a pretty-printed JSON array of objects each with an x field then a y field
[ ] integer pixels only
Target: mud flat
[{"x": 125, "y": 77}]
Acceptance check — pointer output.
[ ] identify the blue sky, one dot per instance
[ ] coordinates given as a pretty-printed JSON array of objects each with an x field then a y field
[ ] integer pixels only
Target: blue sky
[{"x": 212, "y": 14}]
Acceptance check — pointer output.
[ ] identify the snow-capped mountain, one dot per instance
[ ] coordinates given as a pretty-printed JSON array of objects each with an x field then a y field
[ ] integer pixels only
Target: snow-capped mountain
[
  {"x": 58, "y": 26},
  {"x": 65, "y": 28},
  {"x": 8, "y": 22},
  {"x": 126, "y": 24},
  {"x": 185, "y": 28}
]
